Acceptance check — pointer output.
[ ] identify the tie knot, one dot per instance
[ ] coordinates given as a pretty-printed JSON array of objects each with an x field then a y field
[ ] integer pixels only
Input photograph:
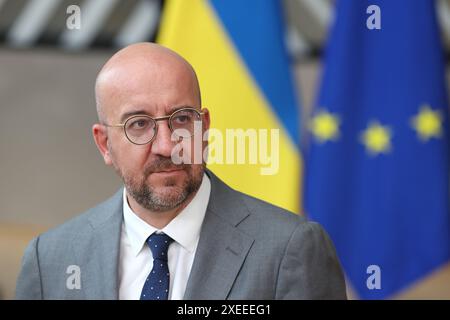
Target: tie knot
[{"x": 159, "y": 245}]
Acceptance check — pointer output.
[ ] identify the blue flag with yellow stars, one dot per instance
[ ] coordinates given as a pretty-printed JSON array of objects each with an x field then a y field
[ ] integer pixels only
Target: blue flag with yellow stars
[{"x": 377, "y": 163}]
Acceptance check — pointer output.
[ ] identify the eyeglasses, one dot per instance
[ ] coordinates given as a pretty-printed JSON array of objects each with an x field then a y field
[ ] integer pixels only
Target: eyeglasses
[{"x": 142, "y": 129}]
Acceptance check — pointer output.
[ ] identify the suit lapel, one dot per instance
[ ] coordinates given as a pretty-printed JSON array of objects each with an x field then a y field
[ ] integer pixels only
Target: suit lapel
[
  {"x": 221, "y": 251},
  {"x": 222, "y": 247},
  {"x": 98, "y": 251}
]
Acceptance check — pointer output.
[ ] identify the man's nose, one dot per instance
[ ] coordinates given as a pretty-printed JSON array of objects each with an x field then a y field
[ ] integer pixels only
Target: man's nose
[{"x": 162, "y": 144}]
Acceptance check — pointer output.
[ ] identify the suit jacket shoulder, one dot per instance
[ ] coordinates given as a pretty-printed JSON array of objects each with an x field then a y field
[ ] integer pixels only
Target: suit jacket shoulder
[
  {"x": 250, "y": 249},
  {"x": 87, "y": 244}
]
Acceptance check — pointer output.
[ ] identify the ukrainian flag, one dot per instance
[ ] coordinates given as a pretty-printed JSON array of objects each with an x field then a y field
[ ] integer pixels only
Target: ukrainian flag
[{"x": 237, "y": 50}]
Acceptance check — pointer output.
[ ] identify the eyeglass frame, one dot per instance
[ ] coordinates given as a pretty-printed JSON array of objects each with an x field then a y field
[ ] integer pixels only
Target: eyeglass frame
[{"x": 156, "y": 119}]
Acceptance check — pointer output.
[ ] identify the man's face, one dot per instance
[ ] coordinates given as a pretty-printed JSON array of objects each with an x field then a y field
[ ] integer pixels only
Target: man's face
[{"x": 148, "y": 172}]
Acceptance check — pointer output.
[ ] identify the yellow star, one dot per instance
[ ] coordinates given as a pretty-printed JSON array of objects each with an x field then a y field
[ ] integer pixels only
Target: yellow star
[
  {"x": 325, "y": 126},
  {"x": 427, "y": 123},
  {"x": 377, "y": 138}
]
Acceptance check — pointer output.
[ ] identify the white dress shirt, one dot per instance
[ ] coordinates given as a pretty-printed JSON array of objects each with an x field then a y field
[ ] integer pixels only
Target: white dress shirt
[{"x": 136, "y": 260}]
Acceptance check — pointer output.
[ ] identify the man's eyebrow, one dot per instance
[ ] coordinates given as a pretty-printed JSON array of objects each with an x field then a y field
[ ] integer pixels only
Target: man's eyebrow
[
  {"x": 128, "y": 114},
  {"x": 175, "y": 108}
]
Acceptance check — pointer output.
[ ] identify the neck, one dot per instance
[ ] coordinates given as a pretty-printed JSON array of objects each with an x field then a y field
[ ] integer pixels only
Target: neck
[{"x": 157, "y": 219}]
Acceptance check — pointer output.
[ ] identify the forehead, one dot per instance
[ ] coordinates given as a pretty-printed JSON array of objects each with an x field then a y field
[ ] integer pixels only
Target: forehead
[{"x": 152, "y": 91}]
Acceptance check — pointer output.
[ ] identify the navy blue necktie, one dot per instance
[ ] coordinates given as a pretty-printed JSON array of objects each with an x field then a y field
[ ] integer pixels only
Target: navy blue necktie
[{"x": 156, "y": 286}]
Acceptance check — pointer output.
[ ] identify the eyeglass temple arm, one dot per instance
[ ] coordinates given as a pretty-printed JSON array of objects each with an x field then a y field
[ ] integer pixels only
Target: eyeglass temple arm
[{"x": 114, "y": 125}]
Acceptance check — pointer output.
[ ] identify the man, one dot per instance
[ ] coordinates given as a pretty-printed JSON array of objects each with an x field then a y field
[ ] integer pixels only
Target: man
[{"x": 175, "y": 231}]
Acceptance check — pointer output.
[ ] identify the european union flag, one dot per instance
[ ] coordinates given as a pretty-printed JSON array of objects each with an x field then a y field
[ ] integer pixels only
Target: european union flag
[{"x": 377, "y": 168}]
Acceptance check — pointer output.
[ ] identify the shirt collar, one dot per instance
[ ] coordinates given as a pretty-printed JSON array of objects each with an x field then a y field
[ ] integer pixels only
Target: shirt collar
[{"x": 184, "y": 228}]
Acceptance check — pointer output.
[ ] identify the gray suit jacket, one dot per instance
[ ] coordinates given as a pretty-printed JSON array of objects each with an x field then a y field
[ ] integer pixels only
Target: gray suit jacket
[{"x": 248, "y": 249}]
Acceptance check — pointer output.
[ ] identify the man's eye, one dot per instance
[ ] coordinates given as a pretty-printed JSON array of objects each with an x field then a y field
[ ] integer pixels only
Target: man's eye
[
  {"x": 139, "y": 124},
  {"x": 180, "y": 119}
]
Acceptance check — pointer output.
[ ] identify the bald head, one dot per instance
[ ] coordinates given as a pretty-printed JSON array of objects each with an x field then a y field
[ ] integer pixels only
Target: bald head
[{"x": 143, "y": 69}]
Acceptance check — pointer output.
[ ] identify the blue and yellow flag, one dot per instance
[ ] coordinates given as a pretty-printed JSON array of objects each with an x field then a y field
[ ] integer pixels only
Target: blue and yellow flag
[
  {"x": 377, "y": 171},
  {"x": 237, "y": 50}
]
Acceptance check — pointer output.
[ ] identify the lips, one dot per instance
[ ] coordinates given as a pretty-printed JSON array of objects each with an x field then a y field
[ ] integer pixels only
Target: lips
[
  {"x": 168, "y": 171},
  {"x": 162, "y": 166}
]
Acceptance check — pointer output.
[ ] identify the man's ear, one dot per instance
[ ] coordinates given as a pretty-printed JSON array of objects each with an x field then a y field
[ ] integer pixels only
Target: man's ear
[
  {"x": 101, "y": 140},
  {"x": 205, "y": 120}
]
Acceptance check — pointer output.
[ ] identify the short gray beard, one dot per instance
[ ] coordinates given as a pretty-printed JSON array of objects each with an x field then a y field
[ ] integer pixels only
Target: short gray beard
[{"x": 147, "y": 197}]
